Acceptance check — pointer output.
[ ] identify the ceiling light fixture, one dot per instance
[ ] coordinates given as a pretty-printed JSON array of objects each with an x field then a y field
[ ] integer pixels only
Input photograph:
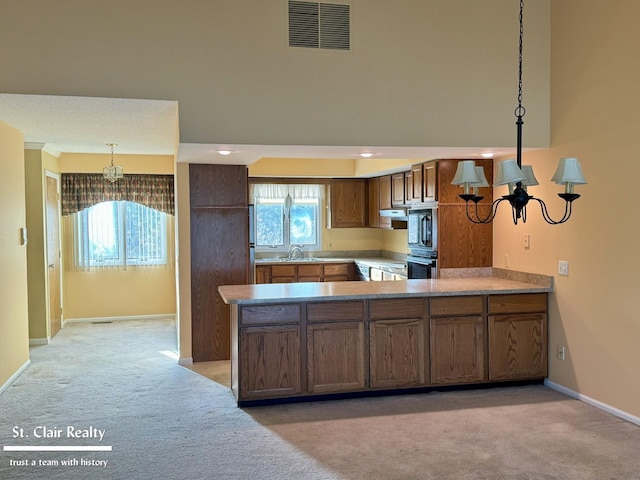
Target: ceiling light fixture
[
  {"x": 225, "y": 152},
  {"x": 366, "y": 154},
  {"x": 518, "y": 177},
  {"x": 113, "y": 172}
]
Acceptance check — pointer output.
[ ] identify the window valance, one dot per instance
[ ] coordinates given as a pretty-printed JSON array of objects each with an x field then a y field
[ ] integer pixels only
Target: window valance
[
  {"x": 83, "y": 190},
  {"x": 272, "y": 191}
]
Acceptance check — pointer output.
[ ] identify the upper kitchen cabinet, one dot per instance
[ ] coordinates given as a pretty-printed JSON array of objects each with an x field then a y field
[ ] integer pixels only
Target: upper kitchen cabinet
[
  {"x": 348, "y": 200},
  {"x": 218, "y": 185},
  {"x": 448, "y": 193},
  {"x": 379, "y": 193},
  {"x": 397, "y": 190},
  {"x": 422, "y": 183}
]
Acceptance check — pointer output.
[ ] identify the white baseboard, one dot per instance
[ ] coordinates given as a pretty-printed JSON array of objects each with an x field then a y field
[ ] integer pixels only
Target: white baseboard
[
  {"x": 39, "y": 341},
  {"x": 14, "y": 376},
  {"x": 602, "y": 406},
  {"x": 185, "y": 361},
  {"x": 171, "y": 316}
]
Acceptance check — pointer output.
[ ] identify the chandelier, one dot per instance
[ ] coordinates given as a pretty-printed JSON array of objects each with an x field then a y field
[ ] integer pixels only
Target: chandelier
[
  {"x": 518, "y": 177},
  {"x": 112, "y": 172}
]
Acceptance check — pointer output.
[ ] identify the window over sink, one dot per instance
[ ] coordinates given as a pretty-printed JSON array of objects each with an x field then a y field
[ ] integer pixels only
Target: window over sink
[{"x": 287, "y": 215}]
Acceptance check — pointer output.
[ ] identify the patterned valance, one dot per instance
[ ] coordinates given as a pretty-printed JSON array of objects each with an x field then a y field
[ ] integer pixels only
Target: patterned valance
[{"x": 83, "y": 190}]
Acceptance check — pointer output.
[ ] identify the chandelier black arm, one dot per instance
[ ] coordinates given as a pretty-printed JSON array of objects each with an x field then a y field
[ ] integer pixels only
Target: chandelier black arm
[
  {"x": 545, "y": 213},
  {"x": 490, "y": 216}
]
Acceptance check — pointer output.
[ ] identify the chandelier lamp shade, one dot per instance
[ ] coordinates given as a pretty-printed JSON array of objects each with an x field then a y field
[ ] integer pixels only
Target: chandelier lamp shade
[
  {"x": 112, "y": 172},
  {"x": 516, "y": 176}
]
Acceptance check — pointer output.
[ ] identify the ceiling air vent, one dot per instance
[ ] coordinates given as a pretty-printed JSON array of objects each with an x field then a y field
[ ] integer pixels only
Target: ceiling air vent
[{"x": 319, "y": 25}]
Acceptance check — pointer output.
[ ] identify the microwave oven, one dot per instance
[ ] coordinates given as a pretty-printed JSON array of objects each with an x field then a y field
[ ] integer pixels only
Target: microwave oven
[{"x": 422, "y": 232}]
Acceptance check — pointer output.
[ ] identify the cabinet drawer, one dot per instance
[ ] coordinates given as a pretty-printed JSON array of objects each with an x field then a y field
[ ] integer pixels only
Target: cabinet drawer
[
  {"x": 448, "y": 306},
  {"x": 336, "y": 269},
  {"x": 283, "y": 270},
  {"x": 397, "y": 308},
  {"x": 521, "y": 303},
  {"x": 266, "y": 314},
  {"x": 335, "y": 311},
  {"x": 310, "y": 270}
]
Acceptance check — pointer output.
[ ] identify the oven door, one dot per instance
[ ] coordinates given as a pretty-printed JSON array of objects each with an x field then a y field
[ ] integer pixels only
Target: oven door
[{"x": 421, "y": 268}]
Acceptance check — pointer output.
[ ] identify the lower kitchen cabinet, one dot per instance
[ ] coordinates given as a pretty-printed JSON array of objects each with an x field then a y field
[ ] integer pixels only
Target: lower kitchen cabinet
[
  {"x": 457, "y": 340},
  {"x": 306, "y": 272},
  {"x": 336, "y": 346},
  {"x": 457, "y": 350},
  {"x": 517, "y": 336},
  {"x": 397, "y": 343},
  {"x": 335, "y": 357},
  {"x": 270, "y": 361},
  {"x": 314, "y": 348}
]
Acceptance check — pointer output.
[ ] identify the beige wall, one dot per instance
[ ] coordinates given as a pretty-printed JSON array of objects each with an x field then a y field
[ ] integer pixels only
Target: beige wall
[
  {"x": 14, "y": 321},
  {"x": 594, "y": 117},
  {"x": 412, "y": 76},
  {"x": 137, "y": 291}
]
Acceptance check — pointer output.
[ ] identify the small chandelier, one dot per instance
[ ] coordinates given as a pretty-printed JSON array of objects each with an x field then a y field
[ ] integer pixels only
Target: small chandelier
[
  {"x": 518, "y": 177},
  {"x": 113, "y": 172}
]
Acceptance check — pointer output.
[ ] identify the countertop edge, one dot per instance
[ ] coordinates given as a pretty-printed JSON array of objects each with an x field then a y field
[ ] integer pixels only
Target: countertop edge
[{"x": 331, "y": 291}]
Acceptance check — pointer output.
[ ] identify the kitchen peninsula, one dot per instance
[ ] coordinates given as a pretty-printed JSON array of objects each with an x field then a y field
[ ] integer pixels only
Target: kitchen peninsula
[{"x": 322, "y": 339}]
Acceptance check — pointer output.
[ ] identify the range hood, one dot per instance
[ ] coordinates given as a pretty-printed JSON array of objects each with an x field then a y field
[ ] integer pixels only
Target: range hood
[{"x": 395, "y": 213}]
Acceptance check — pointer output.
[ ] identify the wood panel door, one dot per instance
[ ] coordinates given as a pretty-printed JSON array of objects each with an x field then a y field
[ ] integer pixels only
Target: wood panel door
[
  {"x": 53, "y": 254},
  {"x": 219, "y": 256},
  {"x": 457, "y": 350},
  {"x": 429, "y": 181},
  {"x": 335, "y": 357},
  {"x": 270, "y": 363},
  {"x": 517, "y": 346}
]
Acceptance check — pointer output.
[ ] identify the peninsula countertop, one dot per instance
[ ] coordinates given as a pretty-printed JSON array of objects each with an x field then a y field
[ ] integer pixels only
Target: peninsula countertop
[{"x": 324, "y": 291}]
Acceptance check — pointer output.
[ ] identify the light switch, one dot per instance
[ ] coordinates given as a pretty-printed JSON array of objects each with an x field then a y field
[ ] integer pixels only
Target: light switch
[
  {"x": 563, "y": 267},
  {"x": 23, "y": 236},
  {"x": 527, "y": 241}
]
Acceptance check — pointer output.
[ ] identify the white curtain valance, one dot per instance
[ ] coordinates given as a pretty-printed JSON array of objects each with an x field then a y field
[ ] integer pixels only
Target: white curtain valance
[{"x": 272, "y": 190}]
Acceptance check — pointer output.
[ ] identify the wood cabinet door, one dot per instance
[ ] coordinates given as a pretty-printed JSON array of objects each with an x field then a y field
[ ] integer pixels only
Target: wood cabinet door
[
  {"x": 397, "y": 353},
  {"x": 263, "y": 274},
  {"x": 373, "y": 192},
  {"x": 397, "y": 190},
  {"x": 335, "y": 357},
  {"x": 218, "y": 185},
  {"x": 517, "y": 346},
  {"x": 416, "y": 184},
  {"x": 461, "y": 243},
  {"x": 217, "y": 258},
  {"x": 457, "y": 350},
  {"x": 348, "y": 203},
  {"x": 448, "y": 193},
  {"x": 429, "y": 181},
  {"x": 385, "y": 192},
  {"x": 270, "y": 362},
  {"x": 408, "y": 187}
]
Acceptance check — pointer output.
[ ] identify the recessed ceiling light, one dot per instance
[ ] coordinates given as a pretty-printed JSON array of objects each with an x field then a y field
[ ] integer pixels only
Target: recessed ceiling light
[
  {"x": 366, "y": 154},
  {"x": 225, "y": 152},
  {"x": 487, "y": 154}
]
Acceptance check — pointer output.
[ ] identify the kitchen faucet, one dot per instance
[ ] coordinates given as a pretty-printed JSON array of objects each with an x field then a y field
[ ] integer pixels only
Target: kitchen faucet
[{"x": 293, "y": 249}]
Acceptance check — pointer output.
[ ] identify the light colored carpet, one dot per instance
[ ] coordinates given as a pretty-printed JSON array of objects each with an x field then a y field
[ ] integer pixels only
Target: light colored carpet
[{"x": 166, "y": 421}]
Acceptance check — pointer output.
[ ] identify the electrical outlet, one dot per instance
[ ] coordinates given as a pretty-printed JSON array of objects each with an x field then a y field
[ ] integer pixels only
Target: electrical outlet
[
  {"x": 563, "y": 267},
  {"x": 329, "y": 245},
  {"x": 506, "y": 260},
  {"x": 527, "y": 241},
  {"x": 561, "y": 352}
]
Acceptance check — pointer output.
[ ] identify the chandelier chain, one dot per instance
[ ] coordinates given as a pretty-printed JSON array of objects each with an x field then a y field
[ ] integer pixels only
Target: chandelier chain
[{"x": 520, "y": 110}]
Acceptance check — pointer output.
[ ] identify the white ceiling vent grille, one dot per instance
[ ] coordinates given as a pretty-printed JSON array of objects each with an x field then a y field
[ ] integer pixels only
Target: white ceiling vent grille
[{"x": 319, "y": 25}]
